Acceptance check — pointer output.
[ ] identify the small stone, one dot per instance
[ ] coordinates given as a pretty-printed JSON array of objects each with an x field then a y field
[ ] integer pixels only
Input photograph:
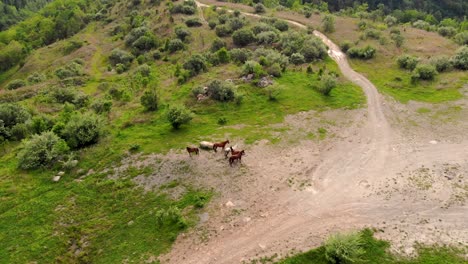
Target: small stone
[
  {"x": 433, "y": 142},
  {"x": 229, "y": 204},
  {"x": 247, "y": 219},
  {"x": 130, "y": 223},
  {"x": 61, "y": 173},
  {"x": 263, "y": 247},
  {"x": 56, "y": 178}
]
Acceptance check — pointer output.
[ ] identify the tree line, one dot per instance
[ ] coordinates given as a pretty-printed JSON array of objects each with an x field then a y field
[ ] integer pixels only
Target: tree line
[{"x": 14, "y": 11}]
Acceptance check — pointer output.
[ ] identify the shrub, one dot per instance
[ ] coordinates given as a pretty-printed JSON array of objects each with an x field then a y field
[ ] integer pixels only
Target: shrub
[
  {"x": 221, "y": 91},
  {"x": 119, "y": 56},
  {"x": 70, "y": 70},
  {"x": 262, "y": 27},
  {"x": 365, "y": 53},
  {"x": 461, "y": 38},
  {"x": 346, "y": 45},
  {"x": 268, "y": 57},
  {"x": 460, "y": 59},
  {"x": 41, "y": 123},
  {"x": 272, "y": 92},
  {"x": 15, "y": 84},
  {"x": 390, "y": 21},
  {"x": 11, "y": 115},
  {"x": 195, "y": 64},
  {"x": 313, "y": 49},
  {"x": 41, "y": 150},
  {"x": 407, "y": 62},
  {"x": 275, "y": 70},
  {"x": 424, "y": 72},
  {"x": 291, "y": 42},
  {"x": 259, "y": 8},
  {"x": 182, "y": 33},
  {"x": 186, "y": 9},
  {"x": 149, "y": 100},
  {"x": 223, "y": 55},
  {"x": 328, "y": 23},
  {"x": 143, "y": 70},
  {"x": 178, "y": 115},
  {"x": 19, "y": 131},
  {"x": 223, "y": 30},
  {"x": 297, "y": 58},
  {"x": 422, "y": 25},
  {"x": 217, "y": 44},
  {"x": 441, "y": 63},
  {"x": 193, "y": 22},
  {"x": 144, "y": 43},
  {"x": 344, "y": 248},
  {"x": 36, "y": 78},
  {"x": 82, "y": 130},
  {"x": 101, "y": 106},
  {"x": 399, "y": 39},
  {"x": 243, "y": 37},
  {"x": 327, "y": 84},
  {"x": 137, "y": 33},
  {"x": 281, "y": 25},
  {"x": 175, "y": 45},
  {"x": 240, "y": 55},
  {"x": 156, "y": 55},
  {"x": 372, "y": 33},
  {"x": 253, "y": 67},
  {"x": 222, "y": 121},
  {"x": 212, "y": 24},
  {"x": 447, "y": 31},
  {"x": 71, "y": 46},
  {"x": 267, "y": 38},
  {"x": 236, "y": 23}
]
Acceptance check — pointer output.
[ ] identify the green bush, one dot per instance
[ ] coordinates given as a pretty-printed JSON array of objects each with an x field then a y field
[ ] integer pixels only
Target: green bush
[
  {"x": 119, "y": 56},
  {"x": 15, "y": 84},
  {"x": 82, "y": 130},
  {"x": 41, "y": 150},
  {"x": 447, "y": 31},
  {"x": 182, "y": 33},
  {"x": 223, "y": 55},
  {"x": 11, "y": 115},
  {"x": 243, "y": 37},
  {"x": 262, "y": 27},
  {"x": 195, "y": 64},
  {"x": 281, "y": 25},
  {"x": 193, "y": 22},
  {"x": 267, "y": 38},
  {"x": 424, "y": 72},
  {"x": 71, "y": 46},
  {"x": 217, "y": 44},
  {"x": 327, "y": 84},
  {"x": 19, "y": 131},
  {"x": 178, "y": 115},
  {"x": 36, "y": 78},
  {"x": 259, "y": 8},
  {"x": 372, "y": 33},
  {"x": 461, "y": 38},
  {"x": 328, "y": 23},
  {"x": 422, "y": 25},
  {"x": 313, "y": 49},
  {"x": 460, "y": 59},
  {"x": 240, "y": 55},
  {"x": 441, "y": 63},
  {"x": 407, "y": 62},
  {"x": 101, "y": 106},
  {"x": 175, "y": 45},
  {"x": 253, "y": 67},
  {"x": 212, "y": 24},
  {"x": 365, "y": 53},
  {"x": 143, "y": 70},
  {"x": 272, "y": 92},
  {"x": 346, "y": 45},
  {"x": 344, "y": 248},
  {"x": 268, "y": 57},
  {"x": 223, "y": 31},
  {"x": 41, "y": 123},
  {"x": 221, "y": 91},
  {"x": 236, "y": 23},
  {"x": 149, "y": 100},
  {"x": 296, "y": 58},
  {"x": 390, "y": 20},
  {"x": 70, "y": 70}
]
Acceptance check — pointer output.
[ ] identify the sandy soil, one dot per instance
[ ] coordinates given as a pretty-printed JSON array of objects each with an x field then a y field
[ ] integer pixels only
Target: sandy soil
[{"x": 387, "y": 166}]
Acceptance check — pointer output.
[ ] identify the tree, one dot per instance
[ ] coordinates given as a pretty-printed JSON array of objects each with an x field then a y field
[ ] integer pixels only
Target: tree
[
  {"x": 328, "y": 23},
  {"x": 175, "y": 45},
  {"x": 149, "y": 100},
  {"x": 11, "y": 115},
  {"x": 313, "y": 49},
  {"x": 223, "y": 55},
  {"x": 217, "y": 44},
  {"x": 243, "y": 37},
  {"x": 182, "y": 33},
  {"x": 178, "y": 115},
  {"x": 82, "y": 130},
  {"x": 41, "y": 150}
]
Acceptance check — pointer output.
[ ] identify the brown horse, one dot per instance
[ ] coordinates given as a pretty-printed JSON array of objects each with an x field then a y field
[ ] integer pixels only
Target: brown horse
[
  {"x": 220, "y": 145},
  {"x": 236, "y": 157},
  {"x": 190, "y": 150},
  {"x": 234, "y": 152}
]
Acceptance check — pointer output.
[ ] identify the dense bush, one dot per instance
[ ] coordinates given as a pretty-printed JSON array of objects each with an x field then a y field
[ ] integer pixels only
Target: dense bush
[
  {"x": 221, "y": 91},
  {"x": 253, "y": 67},
  {"x": 141, "y": 38},
  {"x": 175, "y": 45},
  {"x": 193, "y": 22},
  {"x": 390, "y": 21},
  {"x": 344, "y": 248},
  {"x": 41, "y": 123},
  {"x": 41, "y": 150},
  {"x": 398, "y": 39},
  {"x": 441, "y": 63},
  {"x": 407, "y": 62},
  {"x": 236, "y": 23},
  {"x": 291, "y": 42},
  {"x": 70, "y": 70},
  {"x": 212, "y": 24},
  {"x": 268, "y": 57},
  {"x": 243, "y": 37},
  {"x": 15, "y": 84},
  {"x": 327, "y": 83},
  {"x": 328, "y": 23},
  {"x": 267, "y": 38},
  {"x": 36, "y": 78},
  {"x": 223, "y": 55},
  {"x": 82, "y": 130},
  {"x": 281, "y": 25},
  {"x": 11, "y": 54},
  {"x": 149, "y": 100},
  {"x": 424, "y": 72},
  {"x": 217, "y": 44},
  {"x": 101, "y": 106},
  {"x": 143, "y": 70},
  {"x": 296, "y": 58},
  {"x": 11, "y": 115},
  {"x": 422, "y": 25},
  {"x": 223, "y": 30},
  {"x": 346, "y": 45},
  {"x": 259, "y": 8},
  {"x": 313, "y": 49},
  {"x": 262, "y": 27},
  {"x": 187, "y": 8},
  {"x": 365, "y": 53},
  {"x": 178, "y": 115},
  {"x": 195, "y": 64},
  {"x": 275, "y": 70},
  {"x": 460, "y": 59},
  {"x": 240, "y": 55},
  {"x": 372, "y": 33},
  {"x": 182, "y": 33},
  {"x": 119, "y": 56},
  {"x": 461, "y": 38},
  {"x": 447, "y": 31}
]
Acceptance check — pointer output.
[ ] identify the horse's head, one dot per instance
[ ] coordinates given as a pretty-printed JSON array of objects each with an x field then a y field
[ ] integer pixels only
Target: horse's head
[
  {"x": 227, "y": 141},
  {"x": 242, "y": 152}
]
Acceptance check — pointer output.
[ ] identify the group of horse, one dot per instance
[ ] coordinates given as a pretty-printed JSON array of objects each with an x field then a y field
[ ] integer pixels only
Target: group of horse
[{"x": 236, "y": 155}]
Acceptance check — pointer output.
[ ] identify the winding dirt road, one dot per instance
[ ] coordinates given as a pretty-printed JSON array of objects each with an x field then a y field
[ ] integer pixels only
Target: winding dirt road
[{"x": 363, "y": 178}]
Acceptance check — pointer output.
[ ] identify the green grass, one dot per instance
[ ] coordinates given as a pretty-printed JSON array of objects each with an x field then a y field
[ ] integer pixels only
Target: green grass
[{"x": 376, "y": 251}]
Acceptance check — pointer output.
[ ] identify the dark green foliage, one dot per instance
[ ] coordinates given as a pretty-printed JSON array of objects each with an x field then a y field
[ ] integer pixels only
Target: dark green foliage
[
  {"x": 243, "y": 37},
  {"x": 365, "y": 53},
  {"x": 182, "y": 33},
  {"x": 11, "y": 54},
  {"x": 441, "y": 63},
  {"x": 267, "y": 37},
  {"x": 346, "y": 45},
  {"x": 223, "y": 55},
  {"x": 253, "y": 67},
  {"x": 141, "y": 39},
  {"x": 15, "y": 84},
  {"x": 11, "y": 115},
  {"x": 195, "y": 64},
  {"x": 262, "y": 27},
  {"x": 259, "y": 8},
  {"x": 296, "y": 58},
  {"x": 119, "y": 56},
  {"x": 447, "y": 31},
  {"x": 12, "y": 12},
  {"x": 101, "y": 106},
  {"x": 327, "y": 84},
  {"x": 217, "y": 44},
  {"x": 223, "y": 30},
  {"x": 221, "y": 91},
  {"x": 149, "y": 100},
  {"x": 281, "y": 25},
  {"x": 175, "y": 45},
  {"x": 328, "y": 23},
  {"x": 212, "y": 24},
  {"x": 36, "y": 78},
  {"x": 41, "y": 123},
  {"x": 82, "y": 130},
  {"x": 460, "y": 59},
  {"x": 275, "y": 70},
  {"x": 240, "y": 55},
  {"x": 461, "y": 38},
  {"x": 424, "y": 72},
  {"x": 187, "y": 8},
  {"x": 178, "y": 115},
  {"x": 313, "y": 49},
  {"x": 193, "y": 22},
  {"x": 407, "y": 62},
  {"x": 268, "y": 57},
  {"x": 41, "y": 150},
  {"x": 236, "y": 23}
]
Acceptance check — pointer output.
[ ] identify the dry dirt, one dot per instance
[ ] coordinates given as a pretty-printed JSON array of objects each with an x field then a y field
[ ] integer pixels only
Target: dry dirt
[{"x": 392, "y": 167}]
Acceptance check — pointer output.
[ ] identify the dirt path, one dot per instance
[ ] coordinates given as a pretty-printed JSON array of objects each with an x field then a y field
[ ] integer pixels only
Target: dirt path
[{"x": 370, "y": 175}]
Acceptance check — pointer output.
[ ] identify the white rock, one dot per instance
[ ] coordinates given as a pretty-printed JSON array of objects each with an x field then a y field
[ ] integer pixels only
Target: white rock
[
  {"x": 433, "y": 142},
  {"x": 263, "y": 247},
  {"x": 229, "y": 204},
  {"x": 247, "y": 219},
  {"x": 61, "y": 173},
  {"x": 56, "y": 178}
]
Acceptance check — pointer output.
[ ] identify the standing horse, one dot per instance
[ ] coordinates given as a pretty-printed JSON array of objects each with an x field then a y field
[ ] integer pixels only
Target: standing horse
[
  {"x": 220, "y": 145},
  {"x": 190, "y": 150},
  {"x": 236, "y": 157}
]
